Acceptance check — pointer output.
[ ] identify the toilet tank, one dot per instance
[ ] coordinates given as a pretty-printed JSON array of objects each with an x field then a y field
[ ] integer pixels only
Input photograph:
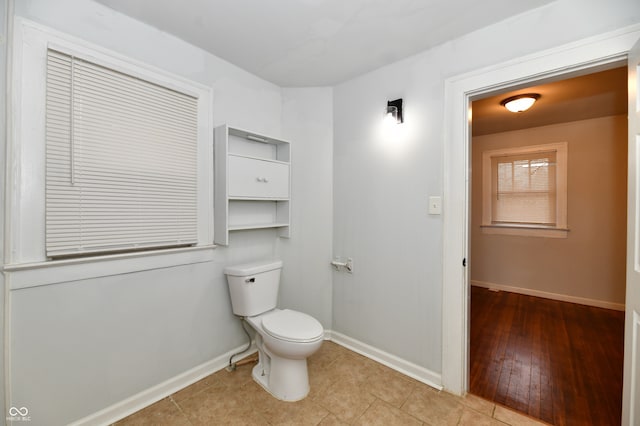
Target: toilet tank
[{"x": 253, "y": 287}]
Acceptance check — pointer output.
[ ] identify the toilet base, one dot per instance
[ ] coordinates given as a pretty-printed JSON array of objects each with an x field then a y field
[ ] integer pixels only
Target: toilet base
[{"x": 284, "y": 379}]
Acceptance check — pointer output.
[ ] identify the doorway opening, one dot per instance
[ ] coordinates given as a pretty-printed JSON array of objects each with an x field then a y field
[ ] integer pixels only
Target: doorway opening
[
  {"x": 590, "y": 55},
  {"x": 547, "y": 301}
]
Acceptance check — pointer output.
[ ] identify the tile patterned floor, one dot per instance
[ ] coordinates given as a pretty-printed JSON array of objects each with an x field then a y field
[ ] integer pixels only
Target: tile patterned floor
[{"x": 346, "y": 388}]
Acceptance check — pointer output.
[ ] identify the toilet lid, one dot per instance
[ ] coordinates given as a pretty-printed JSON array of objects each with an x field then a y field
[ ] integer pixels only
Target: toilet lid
[{"x": 292, "y": 326}]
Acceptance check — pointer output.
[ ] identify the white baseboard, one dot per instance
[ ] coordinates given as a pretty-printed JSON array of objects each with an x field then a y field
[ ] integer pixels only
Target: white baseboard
[
  {"x": 327, "y": 334},
  {"x": 154, "y": 394},
  {"x": 553, "y": 296},
  {"x": 149, "y": 396},
  {"x": 405, "y": 367}
]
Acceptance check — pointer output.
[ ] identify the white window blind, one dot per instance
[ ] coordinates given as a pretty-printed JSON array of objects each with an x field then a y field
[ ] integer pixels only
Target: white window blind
[
  {"x": 121, "y": 161},
  {"x": 524, "y": 189}
]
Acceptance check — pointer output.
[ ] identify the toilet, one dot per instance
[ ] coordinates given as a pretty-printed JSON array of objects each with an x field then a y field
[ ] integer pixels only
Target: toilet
[{"x": 285, "y": 338}]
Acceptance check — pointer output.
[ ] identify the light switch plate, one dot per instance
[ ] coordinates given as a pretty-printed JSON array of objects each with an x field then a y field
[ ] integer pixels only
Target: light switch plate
[{"x": 435, "y": 205}]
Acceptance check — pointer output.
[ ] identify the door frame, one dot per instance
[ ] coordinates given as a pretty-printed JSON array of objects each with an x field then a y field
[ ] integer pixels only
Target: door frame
[{"x": 582, "y": 57}]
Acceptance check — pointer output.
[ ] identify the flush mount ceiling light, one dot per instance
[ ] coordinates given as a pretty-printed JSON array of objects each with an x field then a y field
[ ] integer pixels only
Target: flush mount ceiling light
[
  {"x": 393, "y": 112},
  {"x": 520, "y": 103}
]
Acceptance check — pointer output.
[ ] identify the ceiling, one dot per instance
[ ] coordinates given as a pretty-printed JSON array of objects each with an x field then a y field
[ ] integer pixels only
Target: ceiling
[
  {"x": 594, "y": 95},
  {"x": 300, "y": 43}
]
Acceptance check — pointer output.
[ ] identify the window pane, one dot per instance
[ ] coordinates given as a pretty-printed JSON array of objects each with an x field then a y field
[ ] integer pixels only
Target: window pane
[
  {"x": 535, "y": 208},
  {"x": 121, "y": 161},
  {"x": 505, "y": 177},
  {"x": 539, "y": 174},
  {"x": 521, "y": 175},
  {"x": 525, "y": 189}
]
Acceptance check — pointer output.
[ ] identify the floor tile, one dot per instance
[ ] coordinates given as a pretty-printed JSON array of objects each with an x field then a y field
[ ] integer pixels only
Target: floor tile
[
  {"x": 305, "y": 412},
  {"x": 473, "y": 418},
  {"x": 346, "y": 399},
  {"x": 258, "y": 398},
  {"x": 513, "y": 418},
  {"x": 163, "y": 412},
  {"x": 197, "y": 387},
  {"x": 381, "y": 413},
  {"x": 327, "y": 354},
  {"x": 227, "y": 406},
  {"x": 240, "y": 376},
  {"x": 346, "y": 388},
  {"x": 390, "y": 386},
  {"x": 351, "y": 366},
  {"x": 319, "y": 381},
  {"x": 332, "y": 420},
  {"x": 433, "y": 407},
  {"x": 478, "y": 404},
  {"x": 319, "y": 364}
]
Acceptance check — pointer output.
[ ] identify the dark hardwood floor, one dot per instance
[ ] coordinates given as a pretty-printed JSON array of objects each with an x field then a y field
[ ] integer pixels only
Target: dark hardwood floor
[{"x": 556, "y": 361}]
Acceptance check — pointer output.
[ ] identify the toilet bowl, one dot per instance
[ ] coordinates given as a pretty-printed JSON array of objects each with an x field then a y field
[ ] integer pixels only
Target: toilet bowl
[
  {"x": 283, "y": 348},
  {"x": 285, "y": 338}
]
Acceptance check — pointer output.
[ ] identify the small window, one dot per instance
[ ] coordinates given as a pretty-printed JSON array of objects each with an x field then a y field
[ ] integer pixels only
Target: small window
[
  {"x": 525, "y": 190},
  {"x": 121, "y": 161}
]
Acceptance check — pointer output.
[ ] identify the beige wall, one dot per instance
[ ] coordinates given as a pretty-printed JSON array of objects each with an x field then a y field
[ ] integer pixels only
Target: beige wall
[{"x": 590, "y": 263}]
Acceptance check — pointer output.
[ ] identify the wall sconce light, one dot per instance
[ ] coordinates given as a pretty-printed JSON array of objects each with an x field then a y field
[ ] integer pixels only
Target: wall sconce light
[
  {"x": 393, "y": 112},
  {"x": 520, "y": 103}
]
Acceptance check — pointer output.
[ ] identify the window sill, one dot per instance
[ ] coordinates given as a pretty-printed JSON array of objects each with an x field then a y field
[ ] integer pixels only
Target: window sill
[
  {"x": 37, "y": 274},
  {"x": 525, "y": 231}
]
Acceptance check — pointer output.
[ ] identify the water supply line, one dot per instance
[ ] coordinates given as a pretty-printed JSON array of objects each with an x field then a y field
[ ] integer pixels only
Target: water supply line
[{"x": 232, "y": 366}]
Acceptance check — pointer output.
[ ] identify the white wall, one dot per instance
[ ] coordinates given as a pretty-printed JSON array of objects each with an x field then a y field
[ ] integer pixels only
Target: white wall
[
  {"x": 306, "y": 278},
  {"x": 394, "y": 299},
  {"x": 240, "y": 99},
  {"x": 588, "y": 264},
  {"x": 79, "y": 347},
  {"x": 391, "y": 301},
  {"x": 3, "y": 63}
]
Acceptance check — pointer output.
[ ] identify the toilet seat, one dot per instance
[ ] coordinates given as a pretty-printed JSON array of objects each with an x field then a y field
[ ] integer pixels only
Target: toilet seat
[{"x": 292, "y": 326}]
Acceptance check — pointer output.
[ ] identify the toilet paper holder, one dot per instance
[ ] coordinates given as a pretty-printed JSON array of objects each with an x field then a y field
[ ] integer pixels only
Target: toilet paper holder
[{"x": 348, "y": 265}]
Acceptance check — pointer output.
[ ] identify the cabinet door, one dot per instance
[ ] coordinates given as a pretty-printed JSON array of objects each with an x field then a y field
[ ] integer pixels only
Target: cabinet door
[{"x": 253, "y": 178}]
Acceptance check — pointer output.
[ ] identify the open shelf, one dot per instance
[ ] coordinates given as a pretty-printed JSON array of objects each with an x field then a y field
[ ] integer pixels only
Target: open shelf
[
  {"x": 252, "y": 183},
  {"x": 253, "y": 157},
  {"x": 257, "y": 226}
]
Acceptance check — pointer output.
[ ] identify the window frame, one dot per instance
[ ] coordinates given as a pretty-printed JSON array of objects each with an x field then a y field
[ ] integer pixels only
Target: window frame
[
  {"x": 25, "y": 197},
  {"x": 560, "y": 229}
]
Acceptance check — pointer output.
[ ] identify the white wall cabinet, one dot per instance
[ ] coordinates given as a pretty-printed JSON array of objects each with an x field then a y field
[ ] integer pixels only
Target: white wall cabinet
[
  {"x": 257, "y": 178},
  {"x": 252, "y": 183}
]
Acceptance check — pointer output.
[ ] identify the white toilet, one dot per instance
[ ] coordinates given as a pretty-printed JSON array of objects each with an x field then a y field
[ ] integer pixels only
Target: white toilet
[{"x": 285, "y": 338}]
